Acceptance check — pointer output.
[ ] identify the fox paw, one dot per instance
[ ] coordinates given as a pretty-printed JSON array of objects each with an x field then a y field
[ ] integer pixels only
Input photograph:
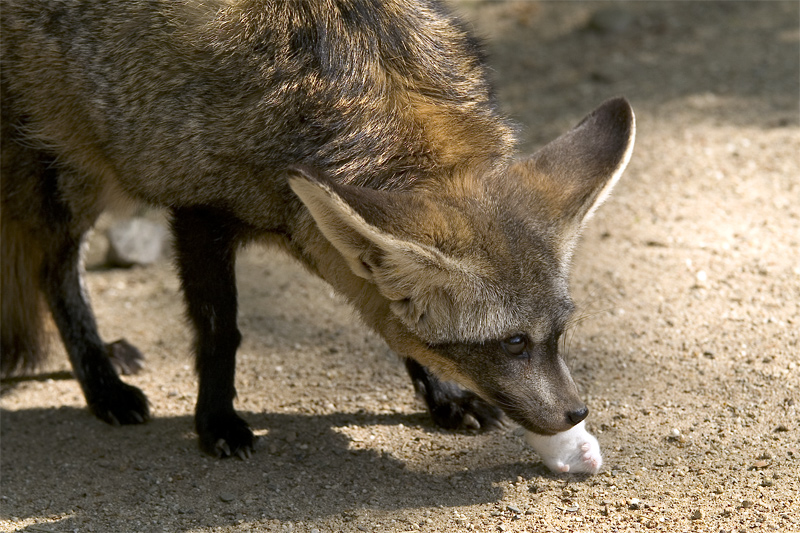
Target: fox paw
[
  {"x": 125, "y": 357},
  {"x": 451, "y": 407},
  {"x": 120, "y": 404},
  {"x": 225, "y": 435},
  {"x": 576, "y": 451}
]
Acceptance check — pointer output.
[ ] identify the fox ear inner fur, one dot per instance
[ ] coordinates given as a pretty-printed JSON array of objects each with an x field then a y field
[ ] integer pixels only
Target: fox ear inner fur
[
  {"x": 365, "y": 246},
  {"x": 412, "y": 275}
]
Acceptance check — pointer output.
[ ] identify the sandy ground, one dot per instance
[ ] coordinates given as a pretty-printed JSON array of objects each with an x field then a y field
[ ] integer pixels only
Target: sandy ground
[{"x": 688, "y": 281}]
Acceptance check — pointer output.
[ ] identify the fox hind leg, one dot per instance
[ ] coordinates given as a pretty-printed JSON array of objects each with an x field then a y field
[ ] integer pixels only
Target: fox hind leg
[
  {"x": 36, "y": 205},
  {"x": 107, "y": 396},
  {"x": 450, "y": 406},
  {"x": 43, "y": 226}
]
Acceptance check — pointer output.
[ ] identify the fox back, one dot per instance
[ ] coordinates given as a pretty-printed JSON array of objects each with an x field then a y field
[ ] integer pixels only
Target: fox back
[
  {"x": 360, "y": 136},
  {"x": 209, "y": 102}
]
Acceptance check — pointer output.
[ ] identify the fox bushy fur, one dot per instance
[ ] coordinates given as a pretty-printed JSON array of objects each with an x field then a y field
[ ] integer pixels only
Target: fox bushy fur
[{"x": 360, "y": 136}]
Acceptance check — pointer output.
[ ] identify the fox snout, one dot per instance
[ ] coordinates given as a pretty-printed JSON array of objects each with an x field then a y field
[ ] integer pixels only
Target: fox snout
[
  {"x": 539, "y": 394},
  {"x": 578, "y": 415},
  {"x": 542, "y": 422},
  {"x": 545, "y": 406}
]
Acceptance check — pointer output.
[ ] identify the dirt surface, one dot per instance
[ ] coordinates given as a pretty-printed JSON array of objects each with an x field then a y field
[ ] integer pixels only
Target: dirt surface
[{"x": 686, "y": 347}]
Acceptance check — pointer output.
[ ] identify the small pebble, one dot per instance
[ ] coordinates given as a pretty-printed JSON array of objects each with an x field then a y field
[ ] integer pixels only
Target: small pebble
[
  {"x": 227, "y": 496},
  {"x": 696, "y": 515},
  {"x": 634, "y": 504}
]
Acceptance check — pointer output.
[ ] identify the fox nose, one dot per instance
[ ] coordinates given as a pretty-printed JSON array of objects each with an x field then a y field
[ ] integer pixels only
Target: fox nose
[{"x": 578, "y": 415}]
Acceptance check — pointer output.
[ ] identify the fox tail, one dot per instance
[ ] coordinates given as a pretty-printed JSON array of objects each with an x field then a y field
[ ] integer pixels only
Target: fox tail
[{"x": 22, "y": 335}]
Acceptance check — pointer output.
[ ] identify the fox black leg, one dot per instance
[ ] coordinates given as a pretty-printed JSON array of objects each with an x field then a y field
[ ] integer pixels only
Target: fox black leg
[
  {"x": 450, "y": 406},
  {"x": 107, "y": 396},
  {"x": 206, "y": 242}
]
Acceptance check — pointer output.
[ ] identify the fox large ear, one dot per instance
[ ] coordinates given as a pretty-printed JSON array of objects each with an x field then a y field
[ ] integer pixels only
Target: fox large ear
[
  {"x": 362, "y": 224},
  {"x": 386, "y": 238},
  {"x": 572, "y": 175},
  {"x": 341, "y": 212}
]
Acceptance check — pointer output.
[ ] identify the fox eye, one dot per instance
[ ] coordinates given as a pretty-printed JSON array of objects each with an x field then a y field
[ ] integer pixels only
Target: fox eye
[{"x": 515, "y": 346}]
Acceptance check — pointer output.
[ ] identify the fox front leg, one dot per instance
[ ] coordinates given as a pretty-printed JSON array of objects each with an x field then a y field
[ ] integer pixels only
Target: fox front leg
[
  {"x": 206, "y": 242},
  {"x": 450, "y": 406}
]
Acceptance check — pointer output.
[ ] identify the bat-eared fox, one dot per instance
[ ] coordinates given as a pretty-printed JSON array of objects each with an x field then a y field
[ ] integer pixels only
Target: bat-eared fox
[{"x": 360, "y": 136}]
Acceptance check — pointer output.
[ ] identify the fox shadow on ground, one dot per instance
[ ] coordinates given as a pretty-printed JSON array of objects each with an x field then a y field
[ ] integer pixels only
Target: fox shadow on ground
[{"x": 303, "y": 464}]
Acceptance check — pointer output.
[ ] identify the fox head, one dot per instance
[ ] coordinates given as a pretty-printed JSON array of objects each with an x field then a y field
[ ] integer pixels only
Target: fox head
[{"x": 469, "y": 275}]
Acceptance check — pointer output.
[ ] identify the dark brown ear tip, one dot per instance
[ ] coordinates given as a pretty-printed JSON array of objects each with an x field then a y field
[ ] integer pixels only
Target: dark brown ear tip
[
  {"x": 617, "y": 110},
  {"x": 614, "y": 115},
  {"x": 619, "y": 102},
  {"x": 297, "y": 170}
]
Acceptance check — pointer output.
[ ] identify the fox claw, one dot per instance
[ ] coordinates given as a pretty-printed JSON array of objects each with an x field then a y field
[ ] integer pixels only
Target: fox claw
[
  {"x": 225, "y": 435},
  {"x": 222, "y": 448}
]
